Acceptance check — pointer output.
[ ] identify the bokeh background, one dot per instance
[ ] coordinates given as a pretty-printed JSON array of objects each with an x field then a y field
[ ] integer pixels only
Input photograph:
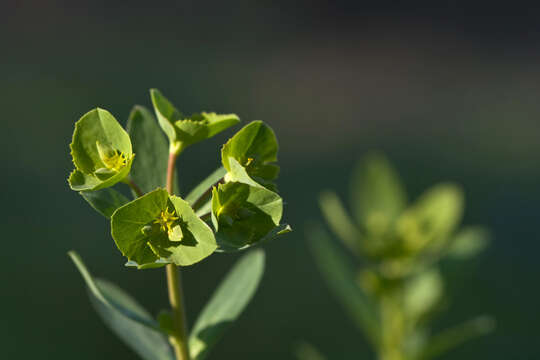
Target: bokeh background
[{"x": 448, "y": 90}]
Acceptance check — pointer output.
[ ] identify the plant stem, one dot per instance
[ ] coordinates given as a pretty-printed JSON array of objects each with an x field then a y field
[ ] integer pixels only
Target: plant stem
[
  {"x": 134, "y": 187},
  {"x": 179, "y": 341},
  {"x": 174, "y": 285},
  {"x": 170, "y": 172},
  {"x": 392, "y": 327}
]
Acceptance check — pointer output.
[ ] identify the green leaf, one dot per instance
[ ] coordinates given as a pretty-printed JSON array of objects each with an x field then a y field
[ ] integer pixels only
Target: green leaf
[
  {"x": 199, "y": 127},
  {"x": 157, "y": 228},
  {"x": 255, "y": 148},
  {"x": 243, "y": 215},
  {"x": 101, "y": 152},
  {"x": 337, "y": 218},
  {"x": 199, "y": 241},
  {"x": 197, "y": 194},
  {"x": 421, "y": 294},
  {"x": 432, "y": 219},
  {"x": 205, "y": 208},
  {"x": 184, "y": 131},
  {"x": 274, "y": 233},
  {"x": 340, "y": 277},
  {"x": 226, "y": 304},
  {"x": 125, "y": 317},
  {"x": 377, "y": 193},
  {"x": 469, "y": 242},
  {"x": 166, "y": 114},
  {"x": 455, "y": 336},
  {"x": 149, "y": 171},
  {"x": 105, "y": 201}
]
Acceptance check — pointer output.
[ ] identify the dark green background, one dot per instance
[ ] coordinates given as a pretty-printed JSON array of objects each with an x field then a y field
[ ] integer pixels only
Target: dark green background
[{"x": 449, "y": 92}]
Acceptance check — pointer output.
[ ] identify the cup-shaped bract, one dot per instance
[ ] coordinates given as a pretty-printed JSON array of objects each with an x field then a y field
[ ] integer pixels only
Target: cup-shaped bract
[
  {"x": 255, "y": 148},
  {"x": 157, "y": 229},
  {"x": 101, "y": 152},
  {"x": 244, "y": 215},
  {"x": 184, "y": 131}
]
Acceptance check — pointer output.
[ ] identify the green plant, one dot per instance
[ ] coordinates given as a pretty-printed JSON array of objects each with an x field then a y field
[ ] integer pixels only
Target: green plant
[
  {"x": 234, "y": 208},
  {"x": 394, "y": 293}
]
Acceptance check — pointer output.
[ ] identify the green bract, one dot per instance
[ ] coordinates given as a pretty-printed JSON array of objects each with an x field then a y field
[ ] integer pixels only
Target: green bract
[
  {"x": 255, "y": 148},
  {"x": 157, "y": 229},
  {"x": 243, "y": 214},
  {"x": 245, "y": 210},
  {"x": 101, "y": 151},
  {"x": 183, "y": 131}
]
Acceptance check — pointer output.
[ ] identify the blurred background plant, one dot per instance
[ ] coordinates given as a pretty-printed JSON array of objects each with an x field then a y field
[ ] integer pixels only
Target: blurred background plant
[{"x": 396, "y": 286}]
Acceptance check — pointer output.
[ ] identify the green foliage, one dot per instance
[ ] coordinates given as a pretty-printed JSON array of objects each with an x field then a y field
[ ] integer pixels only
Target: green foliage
[
  {"x": 101, "y": 152},
  {"x": 398, "y": 287},
  {"x": 226, "y": 304},
  {"x": 150, "y": 170},
  {"x": 255, "y": 148},
  {"x": 125, "y": 317},
  {"x": 339, "y": 274},
  {"x": 158, "y": 229},
  {"x": 243, "y": 214},
  {"x": 157, "y": 226},
  {"x": 183, "y": 131},
  {"x": 105, "y": 201},
  {"x": 246, "y": 209},
  {"x": 201, "y": 192}
]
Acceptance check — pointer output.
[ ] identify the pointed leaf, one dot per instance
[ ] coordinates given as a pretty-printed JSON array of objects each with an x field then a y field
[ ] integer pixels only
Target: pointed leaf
[
  {"x": 377, "y": 193},
  {"x": 105, "y": 201},
  {"x": 125, "y": 317},
  {"x": 197, "y": 194},
  {"x": 101, "y": 152},
  {"x": 202, "y": 126},
  {"x": 337, "y": 218},
  {"x": 339, "y": 275},
  {"x": 166, "y": 114},
  {"x": 226, "y": 304},
  {"x": 149, "y": 171},
  {"x": 184, "y": 131}
]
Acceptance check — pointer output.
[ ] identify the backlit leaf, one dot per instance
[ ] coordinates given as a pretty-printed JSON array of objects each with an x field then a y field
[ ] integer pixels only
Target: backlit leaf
[
  {"x": 149, "y": 170},
  {"x": 226, "y": 304},
  {"x": 101, "y": 152},
  {"x": 125, "y": 317}
]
